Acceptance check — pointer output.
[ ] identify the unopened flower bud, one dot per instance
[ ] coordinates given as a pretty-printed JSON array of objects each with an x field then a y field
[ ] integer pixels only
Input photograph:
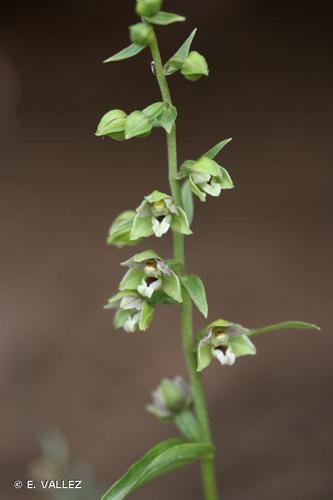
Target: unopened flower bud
[
  {"x": 194, "y": 67},
  {"x": 170, "y": 398},
  {"x": 112, "y": 125},
  {"x": 148, "y": 8},
  {"x": 141, "y": 34},
  {"x": 174, "y": 394}
]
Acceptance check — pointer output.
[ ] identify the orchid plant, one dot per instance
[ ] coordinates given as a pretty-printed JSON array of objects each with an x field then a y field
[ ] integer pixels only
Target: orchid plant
[{"x": 151, "y": 280}]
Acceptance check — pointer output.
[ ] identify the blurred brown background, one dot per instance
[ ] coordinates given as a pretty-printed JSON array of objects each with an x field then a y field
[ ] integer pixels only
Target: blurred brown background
[{"x": 263, "y": 250}]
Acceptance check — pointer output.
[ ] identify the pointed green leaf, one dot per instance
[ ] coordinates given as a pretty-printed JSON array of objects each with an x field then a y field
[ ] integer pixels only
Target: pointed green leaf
[
  {"x": 196, "y": 290},
  {"x": 214, "y": 151},
  {"x": 187, "y": 201},
  {"x": 175, "y": 62},
  {"x": 188, "y": 425},
  {"x": 142, "y": 227},
  {"x": 165, "y": 18},
  {"x": 130, "y": 51},
  {"x": 137, "y": 125},
  {"x": 163, "y": 458},
  {"x": 286, "y": 325},
  {"x": 167, "y": 118},
  {"x": 147, "y": 313}
]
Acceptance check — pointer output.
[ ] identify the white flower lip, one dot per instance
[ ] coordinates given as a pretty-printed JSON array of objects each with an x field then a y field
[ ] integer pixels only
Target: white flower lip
[
  {"x": 161, "y": 227},
  {"x": 149, "y": 286},
  {"x": 225, "y": 355},
  {"x": 132, "y": 323}
]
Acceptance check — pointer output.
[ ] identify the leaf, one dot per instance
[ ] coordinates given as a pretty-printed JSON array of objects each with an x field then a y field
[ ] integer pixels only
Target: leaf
[
  {"x": 147, "y": 313},
  {"x": 165, "y": 18},
  {"x": 286, "y": 325},
  {"x": 187, "y": 200},
  {"x": 167, "y": 119},
  {"x": 163, "y": 458},
  {"x": 154, "y": 110},
  {"x": 137, "y": 125},
  {"x": 196, "y": 290},
  {"x": 214, "y": 151},
  {"x": 130, "y": 51},
  {"x": 177, "y": 59},
  {"x": 188, "y": 425}
]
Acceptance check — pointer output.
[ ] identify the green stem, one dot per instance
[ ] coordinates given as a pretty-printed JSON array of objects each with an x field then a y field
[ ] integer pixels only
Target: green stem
[{"x": 208, "y": 473}]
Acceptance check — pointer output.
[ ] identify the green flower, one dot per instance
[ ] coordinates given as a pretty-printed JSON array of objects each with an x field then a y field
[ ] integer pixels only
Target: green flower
[
  {"x": 141, "y": 34},
  {"x": 148, "y": 273},
  {"x": 224, "y": 341},
  {"x": 194, "y": 66},
  {"x": 156, "y": 214},
  {"x": 148, "y": 8},
  {"x": 112, "y": 125},
  {"x": 120, "y": 230},
  {"x": 133, "y": 312},
  {"x": 170, "y": 398},
  {"x": 206, "y": 176}
]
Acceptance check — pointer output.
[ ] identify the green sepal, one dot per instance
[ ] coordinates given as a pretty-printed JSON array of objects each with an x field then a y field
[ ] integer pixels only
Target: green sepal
[
  {"x": 185, "y": 169},
  {"x": 165, "y": 18},
  {"x": 132, "y": 279},
  {"x": 171, "y": 286},
  {"x": 154, "y": 110},
  {"x": 147, "y": 314},
  {"x": 120, "y": 230},
  {"x": 141, "y": 257},
  {"x": 130, "y": 51},
  {"x": 195, "y": 190},
  {"x": 180, "y": 222},
  {"x": 219, "y": 323},
  {"x": 137, "y": 125},
  {"x": 226, "y": 181},
  {"x": 286, "y": 325},
  {"x": 164, "y": 457},
  {"x": 167, "y": 118},
  {"x": 207, "y": 166},
  {"x": 188, "y": 425},
  {"x": 187, "y": 201},
  {"x": 156, "y": 196},
  {"x": 204, "y": 355},
  {"x": 176, "y": 61},
  {"x": 141, "y": 228},
  {"x": 241, "y": 345},
  {"x": 196, "y": 289}
]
